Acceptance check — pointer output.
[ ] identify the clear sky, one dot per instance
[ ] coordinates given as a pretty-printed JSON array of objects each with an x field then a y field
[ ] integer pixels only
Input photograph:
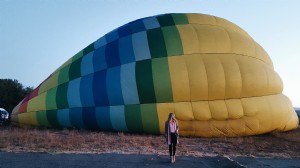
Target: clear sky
[{"x": 37, "y": 36}]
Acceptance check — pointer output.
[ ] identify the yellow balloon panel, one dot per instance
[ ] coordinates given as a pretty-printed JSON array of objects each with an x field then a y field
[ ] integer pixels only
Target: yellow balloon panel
[
  {"x": 38, "y": 103},
  {"x": 242, "y": 44},
  {"x": 212, "y": 39},
  {"x": 254, "y": 78},
  {"x": 197, "y": 77},
  {"x": 245, "y": 116},
  {"x": 195, "y": 18},
  {"x": 230, "y": 26},
  {"x": 261, "y": 54},
  {"x": 275, "y": 84},
  {"x": 233, "y": 82},
  {"x": 179, "y": 78},
  {"x": 189, "y": 39},
  {"x": 163, "y": 110},
  {"x": 216, "y": 21},
  {"x": 234, "y": 108},
  {"x": 201, "y": 110},
  {"x": 184, "y": 111},
  {"x": 50, "y": 83},
  {"x": 28, "y": 118},
  {"x": 218, "y": 110},
  {"x": 216, "y": 77},
  {"x": 216, "y": 35}
]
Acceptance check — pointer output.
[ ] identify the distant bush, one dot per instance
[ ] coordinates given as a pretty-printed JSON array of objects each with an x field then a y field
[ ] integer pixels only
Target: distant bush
[{"x": 11, "y": 93}]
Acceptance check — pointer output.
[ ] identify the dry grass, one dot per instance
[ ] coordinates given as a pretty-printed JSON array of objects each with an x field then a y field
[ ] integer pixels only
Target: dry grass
[{"x": 16, "y": 139}]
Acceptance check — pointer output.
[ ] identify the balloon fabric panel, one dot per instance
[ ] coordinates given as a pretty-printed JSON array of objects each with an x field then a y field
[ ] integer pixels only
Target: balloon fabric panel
[
  {"x": 86, "y": 91},
  {"x": 156, "y": 43},
  {"x": 144, "y": 82},
  {"x": 99, "y": 87},
  {"x": 89, "y": 118},
  {"x": 103, "y": 118},
  {"x": 63, "y": 116},
  {"x": 129, "y": 86},
  {"x": 161, "y": 80},
  {"x": 208, "y": 71},
  {"x": 133, "y": 118},
  {"x": 113, "y": 83},
  {"x": 74, "y": 93}
]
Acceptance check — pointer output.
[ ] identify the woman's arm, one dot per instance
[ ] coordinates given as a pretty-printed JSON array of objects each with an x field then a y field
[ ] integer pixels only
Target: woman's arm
[
  {"x": 177, "y": 128},
  {"x": 166, "y": 129}
]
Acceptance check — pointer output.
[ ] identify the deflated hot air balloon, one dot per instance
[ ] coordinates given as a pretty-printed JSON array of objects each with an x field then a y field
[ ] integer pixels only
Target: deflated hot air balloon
[{"x": 208, "y": 71}]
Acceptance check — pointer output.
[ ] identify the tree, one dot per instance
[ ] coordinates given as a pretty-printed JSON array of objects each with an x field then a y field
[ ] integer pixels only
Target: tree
[{"x": 11, "y": 93}]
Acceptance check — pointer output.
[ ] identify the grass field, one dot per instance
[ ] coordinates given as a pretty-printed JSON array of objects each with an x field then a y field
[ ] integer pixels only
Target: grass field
[{"x": 15, "y": 139}]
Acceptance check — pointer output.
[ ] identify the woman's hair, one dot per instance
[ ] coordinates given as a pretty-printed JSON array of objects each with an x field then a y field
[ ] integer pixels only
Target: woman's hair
[{"x": 170, "y": 116}]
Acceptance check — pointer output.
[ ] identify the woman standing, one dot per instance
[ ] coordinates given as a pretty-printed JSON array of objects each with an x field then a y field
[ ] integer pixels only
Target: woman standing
[{"x": 171, "y": 134}]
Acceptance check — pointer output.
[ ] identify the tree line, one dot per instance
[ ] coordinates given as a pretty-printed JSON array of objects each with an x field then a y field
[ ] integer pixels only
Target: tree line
[{"x": 11, "y": 93}]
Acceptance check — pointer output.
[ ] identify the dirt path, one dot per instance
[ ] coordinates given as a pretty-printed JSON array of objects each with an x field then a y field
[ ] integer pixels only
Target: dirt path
[{"x": 46, "y": 160}]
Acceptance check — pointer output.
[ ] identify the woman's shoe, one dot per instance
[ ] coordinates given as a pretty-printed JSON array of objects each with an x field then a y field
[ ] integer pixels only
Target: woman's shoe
[{"x": 174, "y": 159}]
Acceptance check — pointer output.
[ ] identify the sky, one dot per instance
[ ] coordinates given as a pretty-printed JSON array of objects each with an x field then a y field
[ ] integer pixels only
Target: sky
[{"x": 37, "y": 36}]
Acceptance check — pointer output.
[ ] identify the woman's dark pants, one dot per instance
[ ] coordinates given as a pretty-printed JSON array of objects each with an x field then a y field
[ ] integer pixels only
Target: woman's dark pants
[{"x": 172, "y": 146}]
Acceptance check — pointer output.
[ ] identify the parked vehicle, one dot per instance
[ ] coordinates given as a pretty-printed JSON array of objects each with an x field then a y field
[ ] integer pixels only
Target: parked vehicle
[
  {"x": 298, "y": 113},
  {"x": 4, "y": 117}
]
